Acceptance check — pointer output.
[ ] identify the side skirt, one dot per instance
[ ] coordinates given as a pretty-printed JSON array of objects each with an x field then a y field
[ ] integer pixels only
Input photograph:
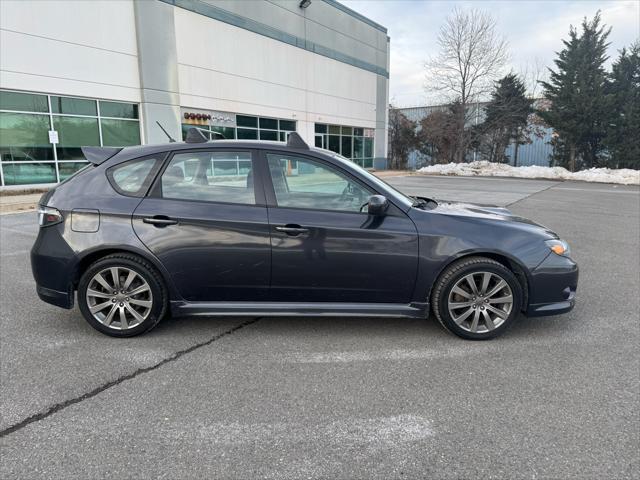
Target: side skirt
[{"x": 279, "y": 309}]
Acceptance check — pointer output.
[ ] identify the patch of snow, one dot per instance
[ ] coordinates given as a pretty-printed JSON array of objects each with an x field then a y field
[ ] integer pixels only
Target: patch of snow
[{"x": 623, "y": 176}]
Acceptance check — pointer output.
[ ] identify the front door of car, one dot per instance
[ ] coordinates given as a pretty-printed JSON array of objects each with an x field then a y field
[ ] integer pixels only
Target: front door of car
[
  {"x": 206, "y": 221},
  {"x": 324, "y": 249}
]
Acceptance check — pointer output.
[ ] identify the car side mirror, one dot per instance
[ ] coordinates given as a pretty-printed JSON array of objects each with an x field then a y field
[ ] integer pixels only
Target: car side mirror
[{"x": 378, "y": 205}]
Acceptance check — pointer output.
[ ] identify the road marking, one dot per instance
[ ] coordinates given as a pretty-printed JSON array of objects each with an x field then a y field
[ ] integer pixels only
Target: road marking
[
  {"x": 386, "y": 431},
  {"x": 15, "y": 253},
  {"x": 599, "y": 190},
  {"x": 21, "y": 232},
  {"x": 369, "y": 356}
]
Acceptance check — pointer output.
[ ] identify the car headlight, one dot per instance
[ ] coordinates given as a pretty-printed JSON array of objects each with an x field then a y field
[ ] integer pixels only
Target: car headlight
[
  {"x": 559, "y": 247},
  {"x": 48, "y": 216}
]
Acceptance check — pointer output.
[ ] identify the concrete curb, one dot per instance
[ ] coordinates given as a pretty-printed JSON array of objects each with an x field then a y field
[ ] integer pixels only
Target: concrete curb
[{"x": 6, "y": 209}]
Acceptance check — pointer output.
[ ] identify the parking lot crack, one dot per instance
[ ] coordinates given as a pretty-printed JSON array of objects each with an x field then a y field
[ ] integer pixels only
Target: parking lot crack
[
  {"x": 72, "y": 401},
  {"x": 534, "y": 193}
]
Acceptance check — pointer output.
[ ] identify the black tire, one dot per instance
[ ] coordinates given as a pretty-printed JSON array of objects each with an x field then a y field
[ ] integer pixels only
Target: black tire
[
  {"x": 144, "y": 269},
  {"x": 452, "y": 275}
]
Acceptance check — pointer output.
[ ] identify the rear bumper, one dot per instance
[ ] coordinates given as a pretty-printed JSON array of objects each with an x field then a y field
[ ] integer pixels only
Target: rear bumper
[
  {"x": 54, "y": 297},
  {"x": 52, "y": 260},
  {"x": 553, "y": 287}
]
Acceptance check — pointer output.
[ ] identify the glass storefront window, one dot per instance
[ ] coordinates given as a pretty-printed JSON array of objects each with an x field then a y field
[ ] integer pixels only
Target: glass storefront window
[
  {"x": 268, "y": 135},
  {"x": 24, "y": 137},
  {"x": 118, "y": 110},
  {"x": 229, "y": 133},
  {"x": 23, "y": 102},
  {"x": 354, "y": 143},
  {"x": 249, "y": 128},
  {"x": 346, "y": 151},
  {"x": 27, "y": 173},
  {"x": 245, "y": 121},
  {"x": 358, "y": 147},
  {"x": 368, "y": 147},
  {"x": 269, "y": 123},
  {"x": 247, "y": 134},
  {"x": 334, "y": 143},
  {"x": 73, "y": 106},
  {"x": 66, "y": 169},
  {"x": 120, "y": 133},
  {"x": 288, "y": 125},
  {"x": 73, "y": 133}
]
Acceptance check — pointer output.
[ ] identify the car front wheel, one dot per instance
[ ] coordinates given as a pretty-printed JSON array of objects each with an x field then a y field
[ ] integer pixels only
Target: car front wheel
[
  {"x": 122, "y": 295},
  {"x": 476, "y": 298}
]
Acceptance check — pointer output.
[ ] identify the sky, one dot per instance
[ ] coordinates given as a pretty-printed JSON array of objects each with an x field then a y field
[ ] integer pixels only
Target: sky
[{"x": 533, "y": 29}]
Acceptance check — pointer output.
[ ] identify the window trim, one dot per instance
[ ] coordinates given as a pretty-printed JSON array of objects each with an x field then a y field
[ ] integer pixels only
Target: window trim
[
  {"x": 272, "y": 201},
  {"x": 155, "y": 190},
  {"x": 148, "y": 181}
]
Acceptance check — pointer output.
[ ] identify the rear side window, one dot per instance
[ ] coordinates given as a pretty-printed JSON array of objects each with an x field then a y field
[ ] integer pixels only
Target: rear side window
[
  {"x": 134, "y": 177},
  {"x": 210, "y": 176}
]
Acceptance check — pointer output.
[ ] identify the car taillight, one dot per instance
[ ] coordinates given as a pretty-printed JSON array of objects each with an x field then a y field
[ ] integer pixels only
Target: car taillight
[{"x": 48, "y": 216}]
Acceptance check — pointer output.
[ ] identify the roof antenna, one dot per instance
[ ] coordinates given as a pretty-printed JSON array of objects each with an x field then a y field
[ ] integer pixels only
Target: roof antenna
[{"x": 171, "y": 139}]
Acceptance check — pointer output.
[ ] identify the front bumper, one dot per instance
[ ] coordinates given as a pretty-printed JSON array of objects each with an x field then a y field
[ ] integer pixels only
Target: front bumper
[{"x": 553, "y": 286}]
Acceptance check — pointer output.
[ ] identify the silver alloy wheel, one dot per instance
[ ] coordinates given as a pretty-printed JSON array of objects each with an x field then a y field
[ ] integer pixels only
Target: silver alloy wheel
[
  {"x": 480, "y": 302},
  {"x": 119, "y": 298}
]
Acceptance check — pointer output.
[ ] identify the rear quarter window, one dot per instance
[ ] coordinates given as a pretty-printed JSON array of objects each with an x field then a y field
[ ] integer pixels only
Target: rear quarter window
[{"x": 134, "y": 177}]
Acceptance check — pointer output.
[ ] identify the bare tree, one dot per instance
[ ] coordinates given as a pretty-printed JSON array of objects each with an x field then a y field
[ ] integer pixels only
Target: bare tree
[
  {"x": 472, "y": 55},
  {"x": 402, "y": 138}
]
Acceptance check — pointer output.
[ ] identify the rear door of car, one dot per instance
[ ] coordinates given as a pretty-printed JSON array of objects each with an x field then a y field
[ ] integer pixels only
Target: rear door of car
[
  {"x": 324, "y": 248},
  {"x": 206, "y": 220}
]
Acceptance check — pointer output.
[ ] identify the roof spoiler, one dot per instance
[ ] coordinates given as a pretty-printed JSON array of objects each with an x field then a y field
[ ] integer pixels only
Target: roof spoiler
[{"x": 98, "y": 155}]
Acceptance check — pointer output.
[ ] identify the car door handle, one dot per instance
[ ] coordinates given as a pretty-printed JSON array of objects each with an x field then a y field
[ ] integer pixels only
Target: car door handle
[
  {"x": 292, "y": 230},
  {"x": 160, "y": 221}
]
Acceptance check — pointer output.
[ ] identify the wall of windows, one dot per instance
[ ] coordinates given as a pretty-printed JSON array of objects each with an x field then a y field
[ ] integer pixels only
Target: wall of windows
[
  {"x": 26, "y": 154},
  {"x": 248, "y": 127},
  {"x": 354, "y": 143}
]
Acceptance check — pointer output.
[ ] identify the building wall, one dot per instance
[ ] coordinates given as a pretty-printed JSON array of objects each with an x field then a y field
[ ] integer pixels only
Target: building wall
[
  {"x": 267, "y": 77},
  {"x": 69, "y": 47},
  {"x": 321, "y": 65}
]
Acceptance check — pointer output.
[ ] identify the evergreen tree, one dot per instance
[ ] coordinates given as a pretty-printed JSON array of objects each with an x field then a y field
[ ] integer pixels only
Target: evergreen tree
[
  {"x": 623, "y": 135},
  {"x": 579, "y": 106},
  {"x": 506, "y": 117}
]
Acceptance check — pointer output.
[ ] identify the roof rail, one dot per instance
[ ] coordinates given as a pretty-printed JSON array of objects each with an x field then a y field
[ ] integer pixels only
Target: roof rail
[{"x": 296, "y": 141}]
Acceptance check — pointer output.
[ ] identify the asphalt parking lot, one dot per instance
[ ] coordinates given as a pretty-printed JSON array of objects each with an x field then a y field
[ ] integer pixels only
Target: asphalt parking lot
[{"x": 555, "y": 397}]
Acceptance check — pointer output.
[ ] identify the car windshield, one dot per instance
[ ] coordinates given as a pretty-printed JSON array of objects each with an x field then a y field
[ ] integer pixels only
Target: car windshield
[{"x": 377, "y": 181}]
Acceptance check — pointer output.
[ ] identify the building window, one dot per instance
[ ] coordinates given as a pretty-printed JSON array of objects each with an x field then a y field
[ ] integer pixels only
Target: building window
[
  {"x": 27, "y": 156},
  {"x": 354, "y": 143},
  {"x": 249, "y": 128}
]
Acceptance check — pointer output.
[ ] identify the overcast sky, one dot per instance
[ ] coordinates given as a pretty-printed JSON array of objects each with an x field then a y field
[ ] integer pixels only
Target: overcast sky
[{"x": 534, "y": 30}]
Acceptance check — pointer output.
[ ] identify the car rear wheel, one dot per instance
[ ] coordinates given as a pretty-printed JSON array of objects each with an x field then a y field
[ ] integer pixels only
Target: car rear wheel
[
  {"x": 476, "y": 298},
  {"x": 122, "y": 295}
]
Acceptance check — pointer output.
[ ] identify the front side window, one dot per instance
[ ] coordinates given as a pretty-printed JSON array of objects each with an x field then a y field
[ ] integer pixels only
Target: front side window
[
  {"x": 210, "y": 176},
  {"x": 134, "y": 177},
  {"x": 303, "y": 183}
]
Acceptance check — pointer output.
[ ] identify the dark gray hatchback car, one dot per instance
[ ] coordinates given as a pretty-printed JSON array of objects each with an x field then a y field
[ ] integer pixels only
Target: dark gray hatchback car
[{"x": 267, "y": 228}]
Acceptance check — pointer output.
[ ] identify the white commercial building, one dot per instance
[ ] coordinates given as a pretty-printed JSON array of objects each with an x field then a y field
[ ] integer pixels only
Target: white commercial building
[{"x": 76, "y": 73}]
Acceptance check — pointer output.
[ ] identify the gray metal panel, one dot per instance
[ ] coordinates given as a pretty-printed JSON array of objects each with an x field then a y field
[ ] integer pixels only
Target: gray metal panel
[{"x": 158, "y": 64}]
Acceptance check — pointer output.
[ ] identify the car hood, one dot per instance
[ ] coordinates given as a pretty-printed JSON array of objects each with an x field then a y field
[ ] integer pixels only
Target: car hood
[{"x": 499, "y": 214}]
